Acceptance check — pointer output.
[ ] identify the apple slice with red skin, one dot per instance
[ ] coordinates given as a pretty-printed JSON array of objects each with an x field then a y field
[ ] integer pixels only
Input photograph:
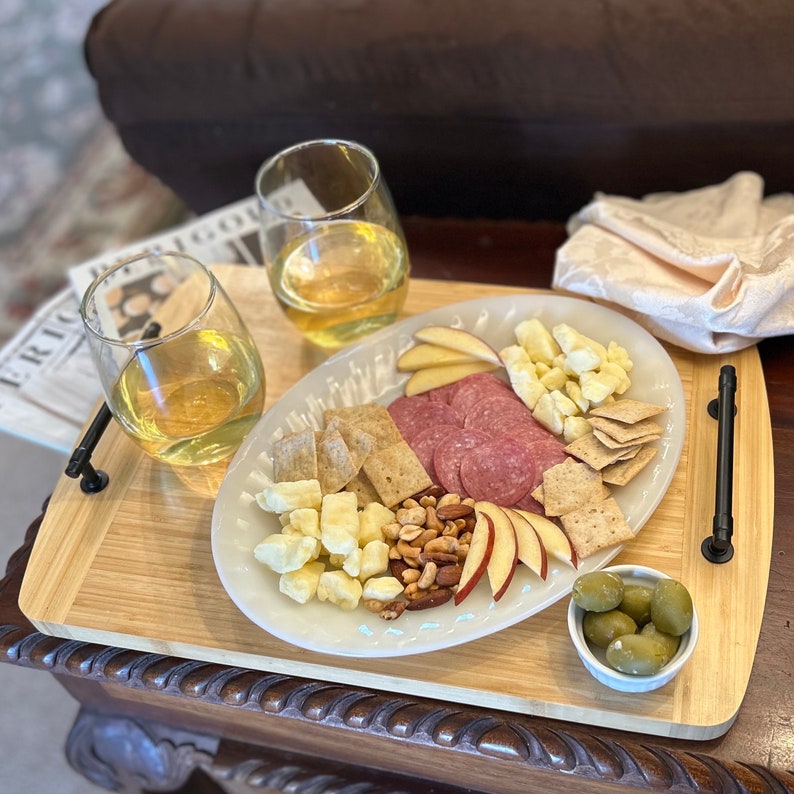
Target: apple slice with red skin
[
  {"x": 458, "y": 339},
  {"x": 531, "y": 550},
  {"x": 480, "y": 550},
  {"x": 557, "y": 543},
  {"x": 504, "y": 558}
]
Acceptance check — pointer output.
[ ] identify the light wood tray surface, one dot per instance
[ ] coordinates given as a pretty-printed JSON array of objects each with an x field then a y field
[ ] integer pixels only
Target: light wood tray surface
[{"x": 132, "y": 565}]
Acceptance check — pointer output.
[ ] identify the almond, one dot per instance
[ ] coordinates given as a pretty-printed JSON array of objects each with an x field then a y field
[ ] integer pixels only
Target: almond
[
  {"x": 397, "y": 568},
  {"x": 448, "y": 575},
  {"x": 450, "y": 512}
]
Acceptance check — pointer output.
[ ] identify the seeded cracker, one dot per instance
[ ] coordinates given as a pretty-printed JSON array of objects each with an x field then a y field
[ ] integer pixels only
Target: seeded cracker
[
  {"x": 596, "y": 526},
  {"x": 570, "y": 485},
  {"x": 359, "y": 442},
  {"x": 396, "y": 473},
  {"x": 335, "y": 465},
  {"x": 622, "y": 431},
  {"x": 610, "y": 442},
  {"x": 628, "y": 410},
  {"x": 295, "y": 457},
  {"x": 364, "y": 490},
  {"x": 373, "y": 418},
  {"x": 624, "y": 471},
  {"x": 593, "y": 451}
]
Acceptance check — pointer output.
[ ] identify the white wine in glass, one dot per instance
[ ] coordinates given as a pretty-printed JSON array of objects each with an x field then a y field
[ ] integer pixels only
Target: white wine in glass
[
  {"x": 332, "y": 241},
  {"x": 191, "y": 395}
]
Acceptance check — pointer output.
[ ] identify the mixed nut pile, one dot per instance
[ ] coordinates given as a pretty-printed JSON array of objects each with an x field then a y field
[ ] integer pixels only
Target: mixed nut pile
[{"x": 428, "y": 543}]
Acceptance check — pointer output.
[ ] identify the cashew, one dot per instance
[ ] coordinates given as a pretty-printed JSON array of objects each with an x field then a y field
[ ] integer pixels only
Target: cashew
[
  {"x": 445, "y": 544},
  {"x": 406, "y": 550},
  {"x": 428, "y": 576},
  {"x": 412, "y": 515},
  {"x": 426, "y": 536},
  {"x": 410, "y": 532}
]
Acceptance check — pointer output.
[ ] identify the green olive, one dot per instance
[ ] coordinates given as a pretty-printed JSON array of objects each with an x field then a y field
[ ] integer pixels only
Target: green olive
[
  {"x": 667, "y": 641},
  {"x": 671, "y": 607},
  {"x": 636, "y": 654},
  {"x": 602, "y": 627},
  {"x": 636, "y": 603},
  {"x": 598, "y": 591}
]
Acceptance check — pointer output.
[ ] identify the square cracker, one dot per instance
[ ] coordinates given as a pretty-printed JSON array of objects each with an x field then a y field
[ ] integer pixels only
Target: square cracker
[
  {"x": 610, "y": 442},
  {"x": 622, "y": 431},
  {"x": 596, "y": 526},
  {"x": 364, "y": 490},
  {"x": 359, "y": 442},
  {"x": 335, "y": 464},
  {"x": 396, "y": 473},
  {"x": 373, "y": 418},
  {"x": 593, "y": 451},
  {"x": 295, "y": 457},
  {"x": 570, "y": 485},
  {"x": 624, "y": 471},
  {"x": 628, "y": 410}
]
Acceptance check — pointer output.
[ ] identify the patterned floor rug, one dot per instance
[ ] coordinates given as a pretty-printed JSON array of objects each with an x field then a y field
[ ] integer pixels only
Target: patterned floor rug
[
  {"x": 103, "y": 202},
  {"x": 68, "y": 191}
]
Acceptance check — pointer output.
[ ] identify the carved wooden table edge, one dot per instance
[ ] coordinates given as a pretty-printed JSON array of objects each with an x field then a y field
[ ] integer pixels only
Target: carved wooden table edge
[{"x": 523, "y": 742}]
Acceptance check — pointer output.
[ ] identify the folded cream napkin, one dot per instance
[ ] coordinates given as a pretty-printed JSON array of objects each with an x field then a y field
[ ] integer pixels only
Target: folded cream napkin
[{"x": 711, "y": 270}]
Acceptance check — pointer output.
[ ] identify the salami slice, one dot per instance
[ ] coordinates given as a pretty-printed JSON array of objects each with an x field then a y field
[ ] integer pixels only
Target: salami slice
[
  {"x": 546, "y": 453},
  {"x": 529, "y": 431},
  {"x": 402, "y": 408},
  {"x": 443, "y": 393},
  {"x": 530, "y": 504},
  {"x": 478, "y": 387},
  {"x": 449, "y": 454},
  {"x": 501, "y": 470},
  {"x": 497, "y": 414},
  {"x": 424, "y": 445},
  {"x": 413, "y": 419}
]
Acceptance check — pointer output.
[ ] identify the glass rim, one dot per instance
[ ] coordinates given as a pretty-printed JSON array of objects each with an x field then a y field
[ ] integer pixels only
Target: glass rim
[
  {"x": 317, "y": 142},
  {"x": 141, "y": 343}
]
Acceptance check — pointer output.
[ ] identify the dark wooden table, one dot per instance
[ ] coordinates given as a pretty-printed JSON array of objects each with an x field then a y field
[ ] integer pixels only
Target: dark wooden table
[{"x": 152, "y": 722}]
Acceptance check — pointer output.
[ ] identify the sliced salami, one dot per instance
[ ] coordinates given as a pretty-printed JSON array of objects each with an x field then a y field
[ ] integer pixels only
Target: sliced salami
[
  {"x": 529, "y": 430},
  {"x": 443, "y": 394},
  {"x": 449, "y": 454},
  {"x": 424, "y": 445},
  {"x": 402, "y": 408},
  {"x": 497, "y": 414},
  {"x": 546, "y": 453},
  {"x": 412, "y": 420},
  {"x": 530, "y": 504},
  {"x": 501, "y": 470},
  {"x": 478, "y": 387}
]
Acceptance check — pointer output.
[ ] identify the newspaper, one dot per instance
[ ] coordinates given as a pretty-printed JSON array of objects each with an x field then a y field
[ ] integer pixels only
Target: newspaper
[{"x": 48, "y": 384}]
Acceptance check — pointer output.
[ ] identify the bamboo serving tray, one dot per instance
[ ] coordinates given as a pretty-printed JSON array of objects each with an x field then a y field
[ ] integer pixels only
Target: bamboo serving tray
[{"x": 132, "y": 566}]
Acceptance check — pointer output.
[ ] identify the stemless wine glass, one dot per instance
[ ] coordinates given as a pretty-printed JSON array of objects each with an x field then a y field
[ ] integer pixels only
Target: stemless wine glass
[
  {"x": 190, "y": 395},
  {"x": 332, "y": 241}
]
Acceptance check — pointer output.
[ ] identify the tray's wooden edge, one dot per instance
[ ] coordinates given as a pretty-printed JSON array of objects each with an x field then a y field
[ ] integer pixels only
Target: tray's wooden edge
[
  {"x": 383, "y": 683},
  {"x": 120, "y": 457},
  {"x": 527, "y": 743},
  {"x": 752, "y": 561}
]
